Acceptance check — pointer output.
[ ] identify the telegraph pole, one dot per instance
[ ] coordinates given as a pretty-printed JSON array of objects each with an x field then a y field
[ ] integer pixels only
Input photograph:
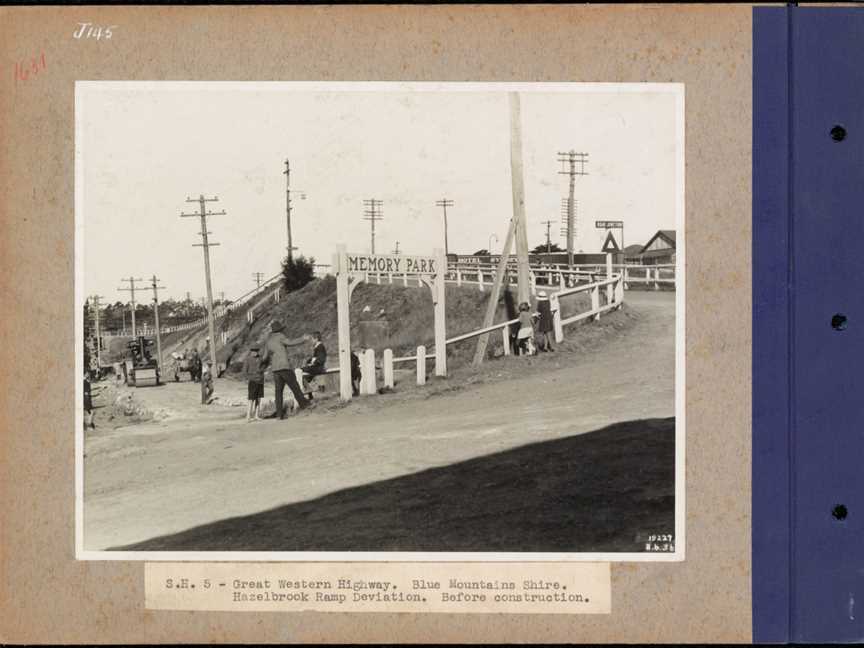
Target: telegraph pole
[
  {"x": 258, "y": 276},
  {"x": 445, "y": 203},
  {"x": 548, "y": 224},
  {"x": 569, "y": 161},
  {"x": 372, "y": 213},
  {"x": 131, "y": 289},
  {"x": 206, "y": 244},
  {"x": 396, "y": 251},
  {"x": 156, "y": 288}
]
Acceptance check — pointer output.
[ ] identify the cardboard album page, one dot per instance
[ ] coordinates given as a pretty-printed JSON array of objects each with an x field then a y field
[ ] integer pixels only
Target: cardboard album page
[{"x": 376, "y": 324}]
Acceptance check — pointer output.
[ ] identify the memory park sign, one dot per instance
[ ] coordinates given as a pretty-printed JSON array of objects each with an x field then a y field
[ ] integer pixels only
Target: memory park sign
[
  {"x": 351, "y": 269},
  {"x": 392, "y": 264}
]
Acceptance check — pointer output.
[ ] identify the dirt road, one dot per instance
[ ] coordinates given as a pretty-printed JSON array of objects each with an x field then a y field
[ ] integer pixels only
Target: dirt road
[{"x": 201, "y": 465}]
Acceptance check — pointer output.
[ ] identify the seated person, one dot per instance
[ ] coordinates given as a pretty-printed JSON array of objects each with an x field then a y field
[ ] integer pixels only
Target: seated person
[{"x": 317, "y": 364}]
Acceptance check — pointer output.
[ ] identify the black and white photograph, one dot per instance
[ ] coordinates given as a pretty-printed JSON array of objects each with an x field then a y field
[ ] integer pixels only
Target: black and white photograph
[{"x": 379, "y": 321}]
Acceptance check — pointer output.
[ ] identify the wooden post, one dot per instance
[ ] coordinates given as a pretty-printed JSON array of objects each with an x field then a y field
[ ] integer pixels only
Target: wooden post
[
  {"x": 610, "y": 294},
  {"x": 619, "y": 291},
  {"x": 555, "y": 305},
  {"x": 421, "y": 365},
  {"x": 656, "y": 278},
  {"x": 595, "y": 301},
  {"x": 625, "y": 276},
  {"x": 458, "y": 277},
  {"x": 388, "y": 368},
  {"x": 405, "y": 279},
  {"x": 533, "y": 278},
  {"x": 492, "y": 304},
  {"x": 518, "y": 189},
  {"x": 439, "y": 294},
  {"x": 369, "y": 383},
  {"x": 343, "y": 299},
  {"x": 561, "y": 280},
  {"x": 505, "y": 337},
  {"x": 390, "y": 277}
]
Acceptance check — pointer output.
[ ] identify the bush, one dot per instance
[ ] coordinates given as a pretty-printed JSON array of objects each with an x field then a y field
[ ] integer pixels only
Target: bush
[{"x": 297, "y": 272}]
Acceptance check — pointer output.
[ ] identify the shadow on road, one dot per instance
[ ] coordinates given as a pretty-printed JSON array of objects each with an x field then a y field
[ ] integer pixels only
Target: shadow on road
[{"x": 601, "y": 491}]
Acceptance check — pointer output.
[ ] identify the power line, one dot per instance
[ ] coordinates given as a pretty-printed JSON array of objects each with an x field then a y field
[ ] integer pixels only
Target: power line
[
  {"x": 569, "y": 161},
  {"x": 131, "y": 289},
  {"x": 373, "y": 213},
  {"x": 206, "y": 244},
  {"x": 445, "y": 203}
]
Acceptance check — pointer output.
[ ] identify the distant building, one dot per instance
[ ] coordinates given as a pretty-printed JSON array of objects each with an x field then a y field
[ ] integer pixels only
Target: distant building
[
  {"x": 659, "y": 249},
  {"x": 632, "y": 253}
]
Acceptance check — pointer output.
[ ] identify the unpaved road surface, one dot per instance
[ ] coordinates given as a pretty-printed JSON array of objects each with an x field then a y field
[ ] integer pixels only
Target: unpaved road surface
[{"x": 202, "y": 465}]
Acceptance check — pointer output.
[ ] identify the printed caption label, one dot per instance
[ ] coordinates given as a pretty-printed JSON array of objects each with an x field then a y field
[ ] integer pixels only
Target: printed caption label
[{"x": 515, "y": 588}]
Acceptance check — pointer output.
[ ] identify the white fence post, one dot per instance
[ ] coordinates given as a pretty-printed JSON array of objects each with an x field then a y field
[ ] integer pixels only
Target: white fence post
[
  {"x": 369, "y": 386},
  {"x": 458, "y": 277},
  {"x": 421, "y": 365},
  {"x": 533, "y": 281},
  {"x": 388, "y": 368},
  {"x": 390, "y": 277},
  {"x": 595, "y": 302},
  {"x": 656, "y": 278},
  {"x": 480, "y": 279},
  {"x": 505, "y": 337},
  {"x": 619, "y": 291},
  {"x": 405, "y": 279},
  {"x": 561, "y": 280},
  {"x": 558, "y": 327}
]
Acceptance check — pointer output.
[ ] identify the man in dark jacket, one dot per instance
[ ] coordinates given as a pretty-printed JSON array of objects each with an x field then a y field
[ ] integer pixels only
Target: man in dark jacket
[
  {"x": 276, "y": 358},
  {"x": 317, "y": 364}
]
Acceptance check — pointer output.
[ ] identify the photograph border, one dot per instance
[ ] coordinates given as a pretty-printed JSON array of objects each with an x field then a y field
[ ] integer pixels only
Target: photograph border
[{"x": 677, "y": 89}]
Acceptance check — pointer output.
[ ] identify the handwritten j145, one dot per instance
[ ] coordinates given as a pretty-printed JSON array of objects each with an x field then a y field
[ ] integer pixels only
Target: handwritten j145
[{"x": 87, "y": 30}]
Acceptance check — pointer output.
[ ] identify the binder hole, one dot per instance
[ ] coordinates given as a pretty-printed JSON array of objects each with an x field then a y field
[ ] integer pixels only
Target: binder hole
[
  {"x": 839, "y": 512},
  {"x": 838, "y": 322},
  {"x": 838, "y": 133}
]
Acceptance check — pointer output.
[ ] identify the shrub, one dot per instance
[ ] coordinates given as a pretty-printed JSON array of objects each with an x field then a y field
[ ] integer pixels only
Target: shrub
[{"x": 297, "y": 272}]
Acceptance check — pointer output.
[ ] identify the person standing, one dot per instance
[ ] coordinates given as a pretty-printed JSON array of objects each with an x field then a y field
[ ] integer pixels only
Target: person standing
[
  {"x": 525, "y": 337},
  {"x": 254, "y": 373},
  {"x": 546, "y": 324},
  {"x": 276, "y": 357}
]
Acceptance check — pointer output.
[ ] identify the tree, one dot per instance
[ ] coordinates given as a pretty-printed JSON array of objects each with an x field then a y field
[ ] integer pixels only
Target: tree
[
  {"x": 297, "y": 272},
  {"x": 542, "y": 248}
]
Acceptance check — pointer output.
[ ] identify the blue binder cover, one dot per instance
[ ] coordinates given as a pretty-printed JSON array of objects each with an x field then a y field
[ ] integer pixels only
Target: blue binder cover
[{"x": 808, "y": 324}]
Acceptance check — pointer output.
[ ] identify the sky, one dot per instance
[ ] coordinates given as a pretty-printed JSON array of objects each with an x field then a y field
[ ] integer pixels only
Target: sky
[{"x": 144, "y": 148}]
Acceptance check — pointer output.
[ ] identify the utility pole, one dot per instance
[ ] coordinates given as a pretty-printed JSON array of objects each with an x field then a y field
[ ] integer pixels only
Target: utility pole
[
  {"x": 156, "y": 288},
  {"x": 372, "y": 213},
  {"x": 206, "y": 244},
  {"x": 258, "y": 276},
  {"x": 445, "y": 203},
  {"x": 96, "y": 307},
  {"x": 287, "y": 173},
  {"x": 569, "y": 161},
  {"x": 548, "y": 224},
  {"x": 131, "y": 289},
  {"x": 396, "y": 251},
  {"x": 518, "y": 190},
  {"x": 565, "y": 211}
]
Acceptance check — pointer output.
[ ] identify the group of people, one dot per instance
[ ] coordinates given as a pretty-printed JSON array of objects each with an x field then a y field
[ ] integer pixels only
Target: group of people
[
  {"x": 525, "y": 334},
  {"x": 274, "y": 356}
]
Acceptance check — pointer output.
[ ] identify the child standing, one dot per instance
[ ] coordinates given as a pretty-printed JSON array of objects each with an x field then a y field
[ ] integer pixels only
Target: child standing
[
  {"x": 525, "y": 337},
  {"x": 253, "y": 370},
  {"x": 206, "y": 384}
]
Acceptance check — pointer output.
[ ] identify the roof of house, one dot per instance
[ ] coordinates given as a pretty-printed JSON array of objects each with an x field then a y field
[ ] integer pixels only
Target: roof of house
[{"x": 666, "y": 235}]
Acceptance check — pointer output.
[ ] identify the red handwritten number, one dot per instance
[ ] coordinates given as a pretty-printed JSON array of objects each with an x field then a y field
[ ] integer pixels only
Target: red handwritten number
[{"x": 34, "y": 66}]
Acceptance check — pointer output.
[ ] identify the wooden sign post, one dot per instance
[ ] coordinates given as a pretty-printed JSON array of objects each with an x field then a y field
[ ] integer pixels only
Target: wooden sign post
[{"x": 351, "y": 269}]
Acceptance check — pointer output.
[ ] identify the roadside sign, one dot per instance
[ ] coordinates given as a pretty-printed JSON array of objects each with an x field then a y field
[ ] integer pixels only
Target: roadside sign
[
  {"x": 609, "y": 224},
  {"x": 611, "y": 245}
]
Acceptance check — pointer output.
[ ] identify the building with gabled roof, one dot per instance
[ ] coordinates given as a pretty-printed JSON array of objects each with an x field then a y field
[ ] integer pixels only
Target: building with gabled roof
[{"x": 660, "y": 248}]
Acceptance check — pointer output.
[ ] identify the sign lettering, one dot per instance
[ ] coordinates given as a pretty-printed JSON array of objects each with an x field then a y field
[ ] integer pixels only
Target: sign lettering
[{"x": 391, "y": 264}]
